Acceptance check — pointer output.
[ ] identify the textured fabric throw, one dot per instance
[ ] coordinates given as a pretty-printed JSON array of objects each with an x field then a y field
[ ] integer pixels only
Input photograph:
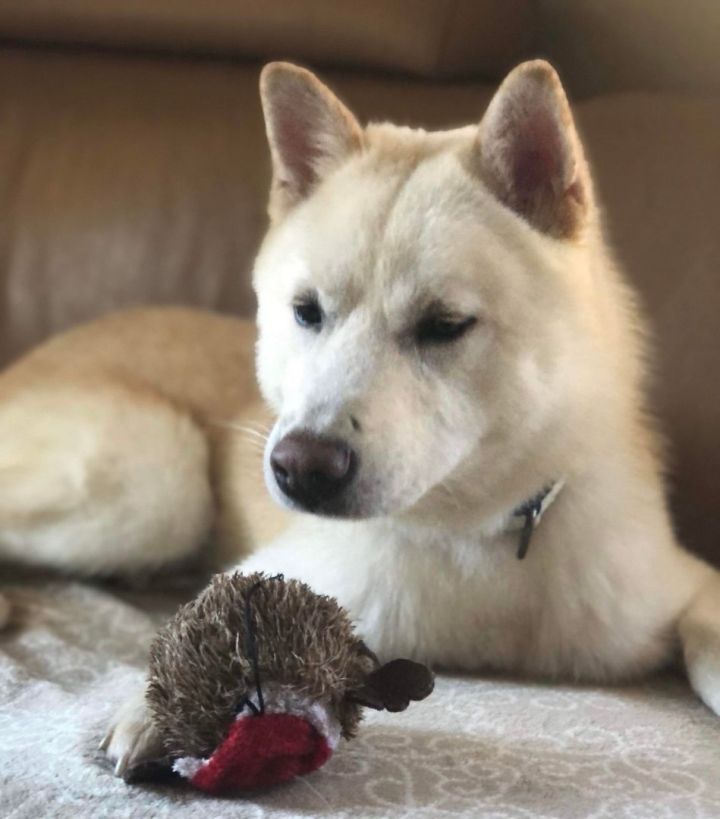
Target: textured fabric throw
[{"x": 479, "y": 747}]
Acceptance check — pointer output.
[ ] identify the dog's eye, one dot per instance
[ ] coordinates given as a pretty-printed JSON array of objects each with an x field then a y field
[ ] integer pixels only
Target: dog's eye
[
  {"x": 442, "y": 329},
  {"x": 308, "y": 313}
]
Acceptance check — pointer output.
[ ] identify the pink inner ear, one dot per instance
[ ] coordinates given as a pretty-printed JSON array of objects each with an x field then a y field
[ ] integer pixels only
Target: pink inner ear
[
  {"x": 530, "y": 151},
  {"x": 538, "y": 157},
  {"x": 296, "y": 149},
  {"x": 532, "y": 158}
]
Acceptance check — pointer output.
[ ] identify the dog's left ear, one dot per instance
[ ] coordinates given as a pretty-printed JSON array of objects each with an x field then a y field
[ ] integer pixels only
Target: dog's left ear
[
  {"x": 530, "y": 154},
  {"x": 309, "y": 130}
]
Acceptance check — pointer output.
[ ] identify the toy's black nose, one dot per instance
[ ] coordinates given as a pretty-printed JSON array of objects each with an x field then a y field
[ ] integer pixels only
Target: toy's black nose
[{"x": 311, "y": 470}]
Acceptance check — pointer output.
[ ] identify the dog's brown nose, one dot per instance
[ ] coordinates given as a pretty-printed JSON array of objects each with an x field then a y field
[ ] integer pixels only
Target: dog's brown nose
[{"x": 310, "y": 469}]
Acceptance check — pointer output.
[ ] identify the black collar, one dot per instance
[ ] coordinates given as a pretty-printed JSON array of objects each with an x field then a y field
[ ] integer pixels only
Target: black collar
[{"x": 526, "y": 517}]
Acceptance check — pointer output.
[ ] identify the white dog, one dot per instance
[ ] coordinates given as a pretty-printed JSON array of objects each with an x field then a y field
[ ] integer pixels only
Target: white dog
[{"x": 455, "y": 369}]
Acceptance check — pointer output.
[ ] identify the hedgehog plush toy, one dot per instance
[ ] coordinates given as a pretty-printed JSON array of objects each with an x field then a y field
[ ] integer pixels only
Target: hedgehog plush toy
[{"x": 256, "y": 681}]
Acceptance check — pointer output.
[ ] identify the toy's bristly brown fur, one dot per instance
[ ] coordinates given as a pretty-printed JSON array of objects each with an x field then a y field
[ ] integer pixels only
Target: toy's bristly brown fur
[{"x": 200, "y": 671}]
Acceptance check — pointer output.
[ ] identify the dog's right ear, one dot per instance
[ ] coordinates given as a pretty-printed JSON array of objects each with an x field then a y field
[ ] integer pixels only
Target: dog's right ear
[
  {"x": 309, "y": 130},
  {"x": 530, "y": 153}
]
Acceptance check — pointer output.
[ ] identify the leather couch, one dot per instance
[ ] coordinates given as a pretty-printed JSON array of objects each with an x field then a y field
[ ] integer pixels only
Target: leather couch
[
  {"x": 133, "y": 166},
  {"x": 133, "y": 169}
]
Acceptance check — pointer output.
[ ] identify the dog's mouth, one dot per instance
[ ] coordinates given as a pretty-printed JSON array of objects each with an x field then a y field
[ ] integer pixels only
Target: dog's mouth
[
  {"x": 350, "y": 503},
  {"x": 317, "y": 498}
]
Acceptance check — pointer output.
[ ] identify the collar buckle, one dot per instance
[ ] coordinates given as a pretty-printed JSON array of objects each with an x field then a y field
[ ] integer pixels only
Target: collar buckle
[
  {"x": 531, "y": 518},
  {"x": 531, "y": 512}
]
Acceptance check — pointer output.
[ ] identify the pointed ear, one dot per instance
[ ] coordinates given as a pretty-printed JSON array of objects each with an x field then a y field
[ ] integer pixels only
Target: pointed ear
[
  {"x": 530, "y": 153},
  {"x": 309, "y": 130}
]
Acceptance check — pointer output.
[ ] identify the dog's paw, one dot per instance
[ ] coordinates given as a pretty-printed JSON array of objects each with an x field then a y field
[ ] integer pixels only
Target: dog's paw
[
  {"x": 705, "y": 680},
  {"x": 132, "y": 744},
  {"x": 699, "y": 630}
]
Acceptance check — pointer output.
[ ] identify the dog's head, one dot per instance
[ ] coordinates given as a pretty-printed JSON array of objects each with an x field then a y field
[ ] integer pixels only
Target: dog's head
[{"x": 423, "y": 300}]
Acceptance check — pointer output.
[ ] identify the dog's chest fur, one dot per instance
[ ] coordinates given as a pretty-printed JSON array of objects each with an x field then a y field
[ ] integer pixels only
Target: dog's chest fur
[{"x": 464, "y": 600}]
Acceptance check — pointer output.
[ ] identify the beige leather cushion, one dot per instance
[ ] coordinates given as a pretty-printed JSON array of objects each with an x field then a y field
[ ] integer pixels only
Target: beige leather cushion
[
  {"x": 428, "y": 37},
  {"x": 126, "y": 181},
  {"x": 607, "y": 45},
  {"x": 132, "y": 180},
  {"x": 123, "y": 182}
]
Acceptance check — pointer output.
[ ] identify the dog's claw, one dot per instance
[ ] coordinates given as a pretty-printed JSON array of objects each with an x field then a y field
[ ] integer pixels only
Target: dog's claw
[
  {"x": 132, "y": 741},
  {"x": 122, "y": 765}
]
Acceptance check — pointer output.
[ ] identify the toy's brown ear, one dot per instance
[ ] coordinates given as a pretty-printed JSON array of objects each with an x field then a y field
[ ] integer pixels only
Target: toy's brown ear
[{"x": 392, "y": 686}]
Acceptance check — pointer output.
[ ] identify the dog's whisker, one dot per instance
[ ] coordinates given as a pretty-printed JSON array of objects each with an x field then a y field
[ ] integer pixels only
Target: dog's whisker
[
  {"x": 255, "y": 446},
  {"x": 252, "y": 436},
  {"x": 451, "y": 496},
  {"x": 250, "y": 432},
  {"x": 261, "y": 425}
]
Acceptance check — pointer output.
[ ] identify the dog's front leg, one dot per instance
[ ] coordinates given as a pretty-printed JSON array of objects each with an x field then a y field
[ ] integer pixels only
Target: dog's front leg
[
  {"x": 699, "y": 630},
  {"x": 132, "y": 742}
]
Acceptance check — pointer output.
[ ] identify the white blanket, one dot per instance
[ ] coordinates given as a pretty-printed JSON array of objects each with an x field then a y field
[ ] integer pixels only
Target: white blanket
[{"x": 478, "y": 747}]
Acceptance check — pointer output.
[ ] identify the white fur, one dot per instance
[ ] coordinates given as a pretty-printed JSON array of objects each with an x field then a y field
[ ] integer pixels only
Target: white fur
[{"x": 548, "y": 384}]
